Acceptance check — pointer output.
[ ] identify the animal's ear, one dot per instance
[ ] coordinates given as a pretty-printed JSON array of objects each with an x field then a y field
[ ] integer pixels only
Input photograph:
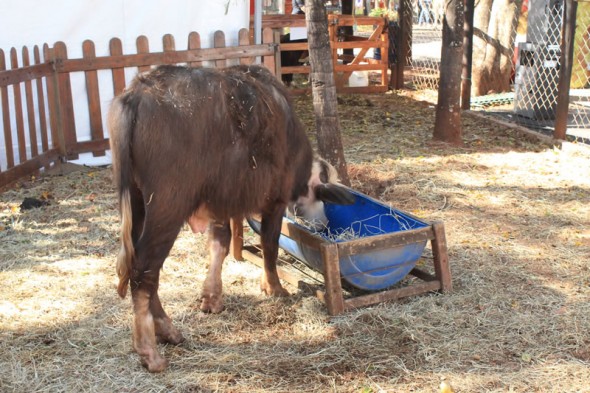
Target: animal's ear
[{"x": 334, "y": 193}]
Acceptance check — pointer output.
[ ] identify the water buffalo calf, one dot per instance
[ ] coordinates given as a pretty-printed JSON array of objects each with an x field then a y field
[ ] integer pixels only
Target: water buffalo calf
[{"x": 204, "y": 146}]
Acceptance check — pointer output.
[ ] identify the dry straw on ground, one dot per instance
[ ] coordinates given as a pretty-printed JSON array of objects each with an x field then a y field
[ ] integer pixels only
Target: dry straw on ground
[{"x": 517, "y": 217}]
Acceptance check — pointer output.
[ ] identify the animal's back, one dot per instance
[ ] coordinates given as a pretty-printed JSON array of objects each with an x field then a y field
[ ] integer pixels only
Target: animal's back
[{"x": 214, "y": 137}]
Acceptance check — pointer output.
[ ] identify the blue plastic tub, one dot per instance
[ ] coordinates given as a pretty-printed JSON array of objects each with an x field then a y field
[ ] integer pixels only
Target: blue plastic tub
[{"x": 372, "y": 270}]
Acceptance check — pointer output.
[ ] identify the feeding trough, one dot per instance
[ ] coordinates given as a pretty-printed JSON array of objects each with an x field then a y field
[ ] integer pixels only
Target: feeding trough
[
  {"x": 367, "y": 218},
  {"x": 366, "y": 245}
]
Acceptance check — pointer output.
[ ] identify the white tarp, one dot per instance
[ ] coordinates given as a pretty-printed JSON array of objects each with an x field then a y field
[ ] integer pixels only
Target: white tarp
[{"x": 35, "y": 22}]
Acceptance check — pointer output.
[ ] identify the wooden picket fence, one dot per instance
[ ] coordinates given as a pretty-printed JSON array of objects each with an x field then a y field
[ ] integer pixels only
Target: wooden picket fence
[{"x": 44, "y": 121}]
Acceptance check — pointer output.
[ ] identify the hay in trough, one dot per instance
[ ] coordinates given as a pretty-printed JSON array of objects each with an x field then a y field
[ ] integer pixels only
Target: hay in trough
[{"x": 517, "y": 221}]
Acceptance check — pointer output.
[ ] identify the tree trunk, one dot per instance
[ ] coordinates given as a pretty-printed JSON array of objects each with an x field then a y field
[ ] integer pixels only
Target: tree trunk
[
  {"x": 493, "y": 45},
  {"x": 447, "y": 125},
  {"x": 325, "y": 103}
]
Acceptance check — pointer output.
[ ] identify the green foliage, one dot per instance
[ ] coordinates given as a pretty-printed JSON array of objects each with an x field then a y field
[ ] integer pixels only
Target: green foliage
[{"x": 385, "y": 13}]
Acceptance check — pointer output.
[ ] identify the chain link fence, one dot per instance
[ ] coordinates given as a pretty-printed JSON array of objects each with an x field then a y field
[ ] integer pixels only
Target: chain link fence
[
  {"x": 522, "y": 88},
  {"x": 425, "y": 43}
]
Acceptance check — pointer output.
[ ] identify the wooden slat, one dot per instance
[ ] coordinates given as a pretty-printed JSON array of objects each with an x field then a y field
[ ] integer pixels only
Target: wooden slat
[
  {"x": 6, "y": 117},
  {"x": 11, "y": 77},
  {"x": 301, "y": 235},
  {"x": 373, "y": 39},
  {"x": 143, "y": 46},
  {"x": 64, "y": 87},
  {"x": 168, "y": 43},
  {"x": 279, "y": 21},
  {"x": 116, "y": 49},
  {"x": 363, "y": 89},
  {"x": 334, "y": 297},
  {"x": 18, "y": 112},
  {"x": 93, "y": 95},
  {"x": 41, "y": 104},
  {"x": 422, "y": 275},
  {"x": 237, "y": 238},
  {"x": 136, "y": 60},
  {"x": 243, "y": 40},
  {"x": 219, "y": 42},
  {"x": 393, "y": 294},
  {"x": 28, "y": 167},
  {"x": 90, "y": 146},
  {"x": 52, "y": 104},
  {"x": 441, "y": 258},
  {"x": 194, "y": 42},
  {"x": 382, "y": 242},
  {"x": 270, "y": 61},
  {"x": 291, "y": 46},
  {"x": 250, "y": 254},
  {"x": 30, "y": 107}
]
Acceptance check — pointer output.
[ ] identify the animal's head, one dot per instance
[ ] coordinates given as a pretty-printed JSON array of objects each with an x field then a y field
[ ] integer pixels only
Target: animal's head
[{"x": 323, "y": 186}]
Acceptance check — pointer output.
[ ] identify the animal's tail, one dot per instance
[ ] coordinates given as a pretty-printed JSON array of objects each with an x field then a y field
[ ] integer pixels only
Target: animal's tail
[{"x": 122, "y": 116}]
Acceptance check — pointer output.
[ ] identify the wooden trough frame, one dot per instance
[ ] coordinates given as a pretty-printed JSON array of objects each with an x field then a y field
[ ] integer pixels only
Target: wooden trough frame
[{"x": 333, "y": 294}]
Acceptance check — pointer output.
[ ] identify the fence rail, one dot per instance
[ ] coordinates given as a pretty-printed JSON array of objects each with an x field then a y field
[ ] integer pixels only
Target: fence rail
[{"x": 42, "y": 126}]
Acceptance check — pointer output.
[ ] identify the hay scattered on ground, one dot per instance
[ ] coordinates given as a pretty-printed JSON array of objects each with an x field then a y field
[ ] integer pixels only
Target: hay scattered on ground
[{"x": 517, "y": 219}]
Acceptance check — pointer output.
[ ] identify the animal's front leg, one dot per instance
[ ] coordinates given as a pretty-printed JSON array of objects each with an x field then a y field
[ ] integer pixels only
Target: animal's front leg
[
  {"x": 270, "y": 230},
  {"x": 219, "y": 240}
]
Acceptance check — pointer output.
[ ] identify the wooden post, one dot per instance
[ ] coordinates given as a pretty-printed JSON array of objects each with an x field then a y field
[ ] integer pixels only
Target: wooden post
[
  {"x": 6, "y": 117},
  {"x": 219, "y": 42},
  {"x": 93, "y": 95},
  {"x": 30, "y": 108},
  {"x": 194, "y": 42},
  {"x": 237, "y": 238},
  {"x": 53, "y": 104},
  {"x": 18, "y": 111},
  {"x": 116, "y": 49},
  {"x": 65, "y": 102},
  {"x": 565, "y": 70},
  {"x": 271, "y": 62},
  {"x": 41, "y": 103},
  {"x": 441, "y": 258},
  {"x": 143, "y": 46},
  {"x": 244, "y": 39},
  {"x": 334, "y": 299},
  {"x": 467, "y": 55}
]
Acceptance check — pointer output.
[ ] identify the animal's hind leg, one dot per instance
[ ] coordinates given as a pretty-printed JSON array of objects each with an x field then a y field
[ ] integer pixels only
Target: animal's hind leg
[
  {"x": 219, "y": 241},
  {"x": 152, "y": 248},
  {"x": 270, "y": 231}
]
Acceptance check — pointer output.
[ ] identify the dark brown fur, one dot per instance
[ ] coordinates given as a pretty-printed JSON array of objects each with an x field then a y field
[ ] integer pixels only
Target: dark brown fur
[
  {"x": 223, "y": 142},
  {"x": 184, "y": 137}
]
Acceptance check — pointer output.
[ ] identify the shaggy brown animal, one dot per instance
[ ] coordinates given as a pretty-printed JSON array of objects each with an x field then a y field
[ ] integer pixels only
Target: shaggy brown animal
[{"x": 205, "y": 146}]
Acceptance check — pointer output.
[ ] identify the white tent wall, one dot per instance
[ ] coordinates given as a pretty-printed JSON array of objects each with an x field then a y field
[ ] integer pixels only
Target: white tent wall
[{"x": 35, "y": 22}]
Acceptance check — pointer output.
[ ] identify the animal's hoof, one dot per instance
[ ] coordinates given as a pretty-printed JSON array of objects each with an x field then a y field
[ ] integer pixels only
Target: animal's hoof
[
  {"x": 154, "y": 363},
  {"x": 212, "y": 305},
  {"x": 173, "y": 338},
  {"x": 166, "y": 332},
  {"x": 276, "y": 290}
]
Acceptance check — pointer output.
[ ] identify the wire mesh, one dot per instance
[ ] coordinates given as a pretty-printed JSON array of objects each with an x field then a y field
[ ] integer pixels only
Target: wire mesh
[
  {"x": 522, "y": 84},
  {"x": 579, "y": 106},
  {"x": 425, "y": 43},
  {"x": 538, "y": 63}
]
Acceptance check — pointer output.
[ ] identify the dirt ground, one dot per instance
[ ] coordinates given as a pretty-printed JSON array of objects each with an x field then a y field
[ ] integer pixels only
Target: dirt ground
[{"x": 517, "y": 220}]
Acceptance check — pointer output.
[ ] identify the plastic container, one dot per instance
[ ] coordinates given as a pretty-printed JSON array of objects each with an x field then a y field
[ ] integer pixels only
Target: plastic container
[{"x": 371, "y": 270}]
